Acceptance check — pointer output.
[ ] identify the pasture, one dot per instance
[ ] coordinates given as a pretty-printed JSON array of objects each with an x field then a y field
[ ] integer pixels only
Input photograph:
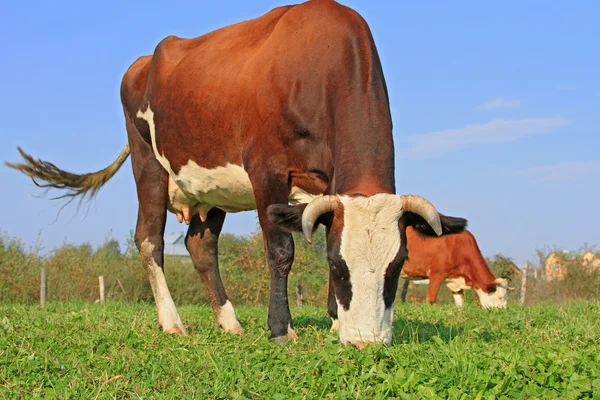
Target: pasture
[{"x": 114, "y": 350}]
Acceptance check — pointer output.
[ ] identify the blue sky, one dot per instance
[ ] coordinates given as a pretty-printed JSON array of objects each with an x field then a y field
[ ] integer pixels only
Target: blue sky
[{"x": 496, "y": 110}]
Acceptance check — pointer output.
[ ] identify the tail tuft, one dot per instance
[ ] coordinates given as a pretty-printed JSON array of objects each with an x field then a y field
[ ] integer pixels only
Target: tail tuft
[{"x": 84, "y": 185}]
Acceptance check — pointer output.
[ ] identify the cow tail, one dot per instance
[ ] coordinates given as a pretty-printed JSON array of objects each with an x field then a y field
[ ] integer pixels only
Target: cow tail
[{"x": 84, "y": 185}]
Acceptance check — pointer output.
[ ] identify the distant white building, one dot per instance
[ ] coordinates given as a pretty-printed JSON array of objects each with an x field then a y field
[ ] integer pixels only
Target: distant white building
[{"x": 175, "y": 245}]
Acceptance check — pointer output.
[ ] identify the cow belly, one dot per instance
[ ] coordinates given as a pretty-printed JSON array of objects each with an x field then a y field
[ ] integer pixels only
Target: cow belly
[
  {"x": 412, "y": 274},
  {"x": 228, "y": 188}
]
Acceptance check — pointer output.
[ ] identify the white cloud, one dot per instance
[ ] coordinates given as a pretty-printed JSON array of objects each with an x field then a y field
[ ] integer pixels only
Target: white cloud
[
  {"x": 499, "y": 102},
  {"x": 562, "y": 171},
  {"x": 428, "y": 145}
]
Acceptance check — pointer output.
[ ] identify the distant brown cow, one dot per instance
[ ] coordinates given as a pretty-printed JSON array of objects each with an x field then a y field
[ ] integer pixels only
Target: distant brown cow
[{"x": 457, "y": 261}]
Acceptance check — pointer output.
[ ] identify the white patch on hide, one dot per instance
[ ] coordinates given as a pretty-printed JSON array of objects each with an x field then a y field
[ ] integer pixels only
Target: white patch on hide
[
  {"x": 227, "y": 188},
  {"x": 227, "y": 319},
  {"x": 457, "y": 284},
  {"x": 148, "y": 116},
  {"x": 370, "y": 241},
  {"x": 168, "y": 317}
]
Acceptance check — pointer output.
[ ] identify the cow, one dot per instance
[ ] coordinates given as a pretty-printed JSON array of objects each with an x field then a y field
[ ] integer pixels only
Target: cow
[
  {"x": 457, "y": 261},
  {"x": 287, "y": 114}
]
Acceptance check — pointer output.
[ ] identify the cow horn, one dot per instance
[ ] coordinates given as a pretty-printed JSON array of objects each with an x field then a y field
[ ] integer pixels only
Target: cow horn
[
  {"x": 424, "y": 208},
  {"x": 314, "y": 210}
]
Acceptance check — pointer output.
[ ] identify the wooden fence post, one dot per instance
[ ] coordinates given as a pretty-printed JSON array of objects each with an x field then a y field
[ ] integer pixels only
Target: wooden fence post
[
  {"x": 101, "y": 285},
  {"x": 43, "y": 286},
  {"x": 299, "y": 298},
  {"x": 123, "y": 289},
  {"x": 524, "y": 283}
]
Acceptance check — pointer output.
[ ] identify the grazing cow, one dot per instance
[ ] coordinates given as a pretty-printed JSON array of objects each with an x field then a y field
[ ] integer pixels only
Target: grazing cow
[
  {"x": 290, "y": 107},
  {"x": 457, "y": 261}
]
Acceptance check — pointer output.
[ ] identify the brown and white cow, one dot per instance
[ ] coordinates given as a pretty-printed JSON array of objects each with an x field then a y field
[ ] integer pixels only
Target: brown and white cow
[
  {"x": 457, "y": 261},
  {"x": 280, "y": 109}
]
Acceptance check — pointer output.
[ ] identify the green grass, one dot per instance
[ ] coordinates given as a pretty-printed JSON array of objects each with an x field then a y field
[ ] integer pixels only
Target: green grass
[{"x": 82, "y": 350}]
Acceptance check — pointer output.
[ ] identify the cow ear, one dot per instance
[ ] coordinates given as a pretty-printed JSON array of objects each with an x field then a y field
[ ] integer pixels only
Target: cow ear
[
  {"x": 491, "y": 288},
  {"x": 449, "y": 224},
  {"x": 286, "y": 217}
]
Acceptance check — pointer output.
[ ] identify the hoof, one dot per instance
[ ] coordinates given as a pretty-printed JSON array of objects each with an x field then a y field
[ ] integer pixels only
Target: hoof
[
  {"x": 280, "y": 340},
  {"x": 292, "y": 335},
  {"x": 175, "y": 330},
  {"x": 335, "y": 325},
  {"x": 285, "y": 339},
  {"x": 359, "y": 344},
  {"x": 236, "y": 329},
  {"x": 226, "y": 319}
]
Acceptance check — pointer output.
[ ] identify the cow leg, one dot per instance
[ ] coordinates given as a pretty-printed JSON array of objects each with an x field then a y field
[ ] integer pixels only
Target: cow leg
[
  {"x": 458, "y": 298},
  {"x": 152, "y": 184},
  {"x": 404, "y": 291},
  {"x": 435, "y": 282},
  {"x": 279, "y": 247},
  {"x": 202, "y": 243},
  {"x": 332, "y": 306}
]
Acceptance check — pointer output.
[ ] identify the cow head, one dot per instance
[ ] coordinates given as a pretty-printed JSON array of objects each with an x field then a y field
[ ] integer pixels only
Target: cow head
[
  {"x": 496, "y": 296},
  {"x": 365, "y": 251}
]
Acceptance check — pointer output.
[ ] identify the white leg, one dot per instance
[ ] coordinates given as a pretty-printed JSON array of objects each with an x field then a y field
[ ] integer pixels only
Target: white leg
[{"x": 168, "y": 318}]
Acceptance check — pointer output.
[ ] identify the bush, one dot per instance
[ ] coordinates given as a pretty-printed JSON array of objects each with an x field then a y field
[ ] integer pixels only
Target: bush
[{"x": 73, "y": 272}]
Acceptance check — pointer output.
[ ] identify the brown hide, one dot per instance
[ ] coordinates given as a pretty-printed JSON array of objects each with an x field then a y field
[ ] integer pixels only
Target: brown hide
[{"x": 298, "y": 91}]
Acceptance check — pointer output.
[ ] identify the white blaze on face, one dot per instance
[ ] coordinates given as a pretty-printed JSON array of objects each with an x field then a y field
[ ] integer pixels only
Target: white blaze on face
[
  {"x": 498, "y": 298},
  {"x": 370, "y": 241}
]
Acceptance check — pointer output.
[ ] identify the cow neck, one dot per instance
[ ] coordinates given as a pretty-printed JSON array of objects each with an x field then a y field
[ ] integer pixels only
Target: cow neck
[
  {"x": 362, "y": 169},
  {"x": 479, "y": 273}
]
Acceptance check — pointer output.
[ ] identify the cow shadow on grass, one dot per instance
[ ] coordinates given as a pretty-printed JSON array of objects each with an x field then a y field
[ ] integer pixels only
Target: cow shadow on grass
[
  {"x": 405, "y": 330},
  {"x": 413, "y": 331},
  {"x": 304, "y": 321}
]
